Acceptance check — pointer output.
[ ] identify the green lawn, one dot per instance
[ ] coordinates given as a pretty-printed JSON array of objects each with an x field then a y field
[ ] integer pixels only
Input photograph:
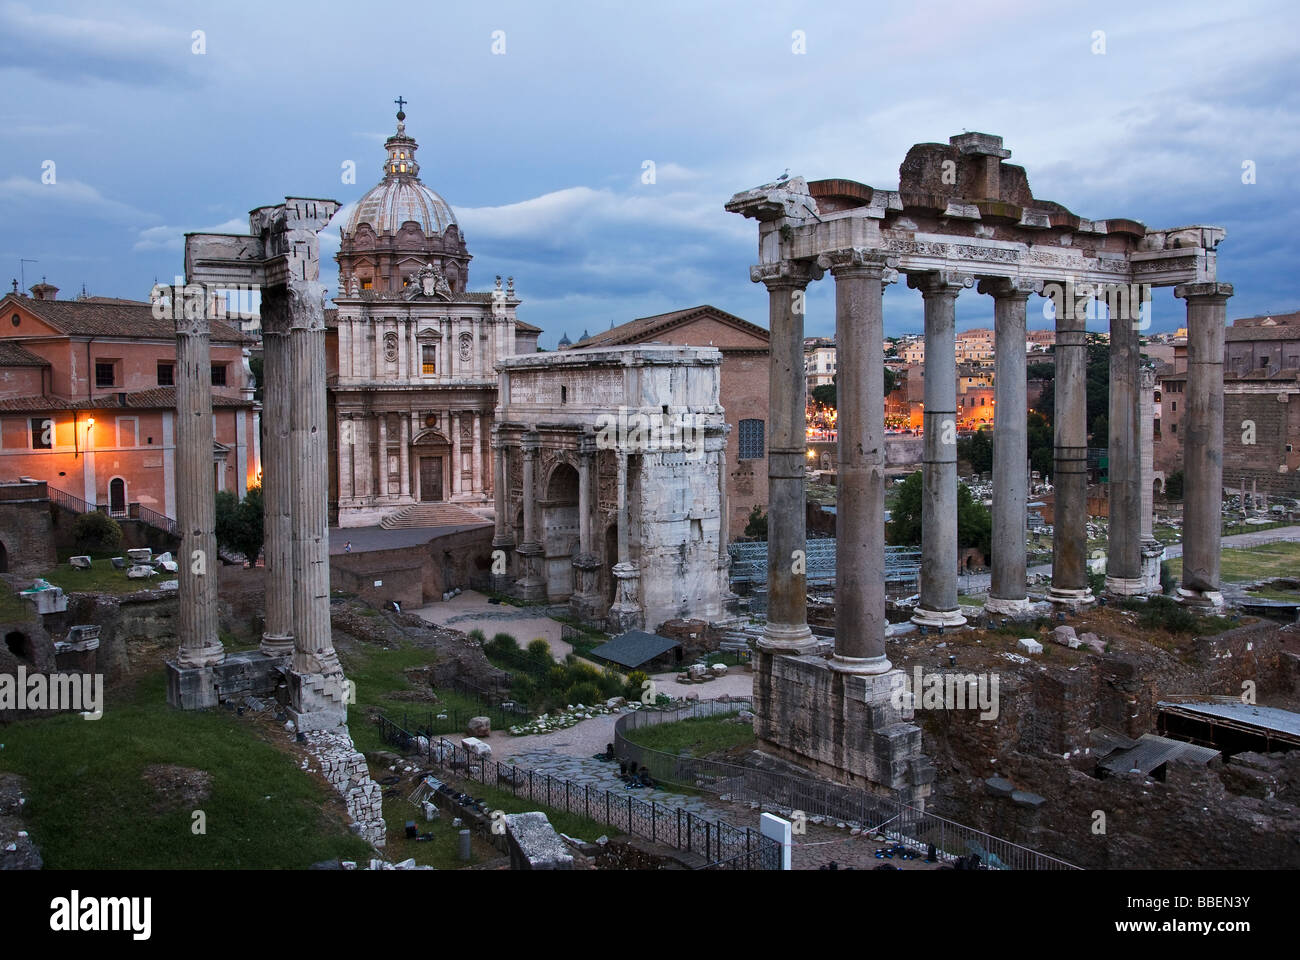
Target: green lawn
[
  {"x": 89, "y": 807},
  {"x": 14, "y": 607},
  {"x": 1252, "y": 563},
  {"x": 100, "y": 577},
  {"x": 699, "y": 737}
]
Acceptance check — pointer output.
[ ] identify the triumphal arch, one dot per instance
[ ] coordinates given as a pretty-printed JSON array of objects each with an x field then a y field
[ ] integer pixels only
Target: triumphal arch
[{"x": 962, "y": 219}]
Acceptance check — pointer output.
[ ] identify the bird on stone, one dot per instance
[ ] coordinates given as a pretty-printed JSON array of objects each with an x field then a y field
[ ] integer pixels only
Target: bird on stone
[{"x": 785, "y": 176}]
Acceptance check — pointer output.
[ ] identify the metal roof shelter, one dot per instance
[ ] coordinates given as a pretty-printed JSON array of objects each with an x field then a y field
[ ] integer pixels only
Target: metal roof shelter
[
  {"x": 1227, "y": 720},
  {"x": 634, "y": 648},
  {"x": 1150, "y": 752}
]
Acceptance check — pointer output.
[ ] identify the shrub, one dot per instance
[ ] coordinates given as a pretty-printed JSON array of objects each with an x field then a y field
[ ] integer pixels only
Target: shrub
[
  {"x": 635, "y": 680},
  {"x": 478, "y": 636},
  {"x": 586, "y": 693},
  {"x": 501, "y": 645},
  {"x": 1167, "y": 613},
  {"x": 557, "y": 678},
  {"x": 1167, "y": 581},
  {"x": 611, "y": 683},
  {"x": 97, "y": 531},
  {"x": 539, "y": 651}
]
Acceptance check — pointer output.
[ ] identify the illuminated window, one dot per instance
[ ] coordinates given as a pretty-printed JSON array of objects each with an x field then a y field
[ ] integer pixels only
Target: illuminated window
[
  {"x": 429, "y": 360},
  {"x": 403, "y": 168},
  {"x": 366, "y": 284}
]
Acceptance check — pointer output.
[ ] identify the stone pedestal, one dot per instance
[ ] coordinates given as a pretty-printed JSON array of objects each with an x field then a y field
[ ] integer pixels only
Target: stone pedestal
[
  {"x": 586, "y": 602},
  {"x": 251, "y": 673},
  {"x": 625, "y": 614},
  {"x": 1153, "y": 554},
  {"x": 846, "y": 727},
  {"x": 530, "y": 585},
  {"x": 502, "y": 582}
]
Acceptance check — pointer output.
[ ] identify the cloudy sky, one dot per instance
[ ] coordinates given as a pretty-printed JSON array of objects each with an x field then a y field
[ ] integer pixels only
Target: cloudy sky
[{"x": 149, "y": 129}]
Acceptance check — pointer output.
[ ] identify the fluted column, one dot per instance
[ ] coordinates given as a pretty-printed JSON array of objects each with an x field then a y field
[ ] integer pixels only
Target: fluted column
[
  {"x": 477, "y": 471},
  {"x": 503, "y": 540},
  {"x": 313, "y": 643},
  {"x": 277, "y": 477},
  {"x": 938, "y": 605},
  {"x": 404, "y": 456},
  {"x": 196, "y": 494},
  {"x": 787, "y": 603},
  {"x": 382, "y": 459},
  {"x": 585, "y": 600},
  {"x": 1203, "y": 443},
  {"x": 1008, "y": 593},
  {"x": 530, "y": 586},
  {"x": 1124, "y": 540},
  {"x": 860, "y": 488},
  {"x": 455, "y": 459},
  {"x": 1070, "y": 442}
]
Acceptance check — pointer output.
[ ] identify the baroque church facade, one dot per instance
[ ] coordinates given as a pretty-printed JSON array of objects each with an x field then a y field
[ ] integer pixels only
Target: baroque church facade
[{"x": 413, "y": 354}]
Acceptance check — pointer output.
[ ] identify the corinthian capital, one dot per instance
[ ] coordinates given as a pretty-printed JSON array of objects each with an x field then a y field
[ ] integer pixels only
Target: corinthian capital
[
  {"x": 1015, "y": 288},
  {"x": 786, "y": 273},
  {"x": 860, "y": 260},
  {"x": 940, "y": 283}
]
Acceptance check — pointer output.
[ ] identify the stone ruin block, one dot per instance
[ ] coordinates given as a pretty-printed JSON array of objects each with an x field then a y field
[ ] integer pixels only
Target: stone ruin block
[
  {"x": 479, "y": 727},
  {"x": 476, "y": 747},
  {"x": 140, "y": 554},
  {"x": 79, "y": 562},
  {"x": 140, "y": 572},
  {"x": 534, "y": 844}
]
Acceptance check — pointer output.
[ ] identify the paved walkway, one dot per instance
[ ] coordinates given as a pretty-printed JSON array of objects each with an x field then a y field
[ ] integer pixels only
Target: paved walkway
[{"x": 472, "y": 611}]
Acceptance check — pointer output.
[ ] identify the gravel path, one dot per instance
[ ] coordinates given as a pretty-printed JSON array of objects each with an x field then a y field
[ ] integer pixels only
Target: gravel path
[{"x": 472, "y": 611}]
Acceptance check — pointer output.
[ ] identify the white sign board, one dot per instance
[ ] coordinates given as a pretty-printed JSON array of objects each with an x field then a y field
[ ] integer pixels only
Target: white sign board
[{"x": 774, "y": 828}]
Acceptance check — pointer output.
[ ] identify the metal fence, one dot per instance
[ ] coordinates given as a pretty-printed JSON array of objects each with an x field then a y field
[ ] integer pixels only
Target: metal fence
[
  {"x": 454, "y": 719},
  {"x": 894, "y": 818},
  {"x": 721, "y": 845},
  {"x": 749, "y": 563}
]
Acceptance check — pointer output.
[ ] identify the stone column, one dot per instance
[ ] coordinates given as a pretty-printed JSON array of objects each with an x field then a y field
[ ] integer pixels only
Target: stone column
[
  {"x": 1070, "y": 440},
  {"x": 478, "y": 454},
  {"x": 1152, "y": 550},
  {"x": 531, "y": 585},
  {"x": 938, "y": 605},
  {"x": 378, "y": 327},
  {"x": 455, "y": 458},
  {"x": 403, "y": 456},
  {"x": 382, "y": 459},
  {"x": 1008, "y": 594},
  {"x": 860, "y": 491},
  {"x": 625, "y": 613},
  {"x": 1203, "y": 443},
  {"x": 585, "y": 602},
  {"x": 316, "y": 680},
  {"x": 787, "y": 607},
  {"x": 277, "y": 477},
  {"x": 503, "y": 540},
  {"x": 196, "y": 506},
  {"x": 1124, "y": 540}
]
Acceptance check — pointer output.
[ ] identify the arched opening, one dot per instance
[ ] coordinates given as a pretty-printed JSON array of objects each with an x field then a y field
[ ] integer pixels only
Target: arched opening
[
  {"x": 1156, "y": 486},
  {"x": 610, "y": 557},
  {"x": 19, "y": 645},
  {"x": 117, "y": 496},
  {"x": 559, "y": 530}
]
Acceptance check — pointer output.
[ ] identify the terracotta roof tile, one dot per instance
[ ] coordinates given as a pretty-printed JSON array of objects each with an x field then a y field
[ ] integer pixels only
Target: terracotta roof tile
[
  {"x": 15, "y": 355},
  {"x": 115, "y": 318},
  {"x": 636, "y": 331}
]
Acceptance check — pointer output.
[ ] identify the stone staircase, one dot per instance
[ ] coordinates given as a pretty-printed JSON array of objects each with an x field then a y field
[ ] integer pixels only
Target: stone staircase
[{"x": 431, "y": 515}]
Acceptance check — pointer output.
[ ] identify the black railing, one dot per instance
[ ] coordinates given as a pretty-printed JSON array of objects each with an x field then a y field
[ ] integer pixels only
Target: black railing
[
  {"x": 721, "y": 845},
  {"x": 889, "y": 814},
  {"x": 134, "y": 512}
]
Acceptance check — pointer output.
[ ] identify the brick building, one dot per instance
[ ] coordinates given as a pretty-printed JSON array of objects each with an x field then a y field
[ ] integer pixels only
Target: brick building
[
  {"x": 1261, "y": 406},
  {"x": 744, "y": 349},
  {"x": 88, "y": 406}
]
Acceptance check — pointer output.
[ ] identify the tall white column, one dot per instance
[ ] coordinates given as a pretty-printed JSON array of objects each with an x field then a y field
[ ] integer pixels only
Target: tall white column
[
  {"x": 381, "y": 488},
  {"x": 478, "y": 453},
  {"x": 277, "y": 477},
  {"x": 455, "y": 454},
  {"x": 404, "y": 456}
]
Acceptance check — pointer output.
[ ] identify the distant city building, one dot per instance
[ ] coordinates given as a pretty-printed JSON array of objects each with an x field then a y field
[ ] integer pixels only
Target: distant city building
[
  {"x": 819, "y": 362},
  {"x": 88, "y": 402}
]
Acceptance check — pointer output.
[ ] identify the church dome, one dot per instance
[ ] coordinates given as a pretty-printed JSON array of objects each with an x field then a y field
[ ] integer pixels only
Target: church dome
[{"x": 401, "y": 197}]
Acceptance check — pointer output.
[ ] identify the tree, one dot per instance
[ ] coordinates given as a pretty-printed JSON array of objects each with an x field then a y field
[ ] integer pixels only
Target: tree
[
  {"x": 1174, "y": 485},
  {"x": 1101, "y": 430},
  {"x": 757, "y": 525},
  {"x": 977, "y": 450},
  {"x": 239, "y": 526},
  {"x": 1098, "y": 385},
  {"x": 255, "y": 365},
  {"x": 891, "y": 378},
  {"x": 1039, "y": 436},
  {"x": 96, "y": 530},
  {"x": 825, "y": 395},
  {"x": 974, "y": 522}
]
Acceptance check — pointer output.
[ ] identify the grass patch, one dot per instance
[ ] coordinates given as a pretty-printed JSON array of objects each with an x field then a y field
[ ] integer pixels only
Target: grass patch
[
  {"x": 90, "y": 808},
  {"x": 699, "y": 737},
  {"x": 14, "y": 607},
  {"x": 1243, "y": 564},
  {"x": 100, "y": 578}
]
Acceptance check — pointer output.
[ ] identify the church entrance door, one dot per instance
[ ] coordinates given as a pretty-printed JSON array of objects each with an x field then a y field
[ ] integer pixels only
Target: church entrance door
[{"x": 430, "y": 479}]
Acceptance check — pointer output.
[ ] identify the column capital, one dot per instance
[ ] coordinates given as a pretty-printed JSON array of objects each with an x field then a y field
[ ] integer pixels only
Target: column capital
[
  {"x": 1203, "y": 291},
  {"x": 940, "y": 283},
  {"x": 531, "y": 444},
  {"x": 790, "y": 274},
  {"x": 860, "y": 260},
  {"x": 586, "y": 446},
  {"x": 1010, "y": 288}
]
